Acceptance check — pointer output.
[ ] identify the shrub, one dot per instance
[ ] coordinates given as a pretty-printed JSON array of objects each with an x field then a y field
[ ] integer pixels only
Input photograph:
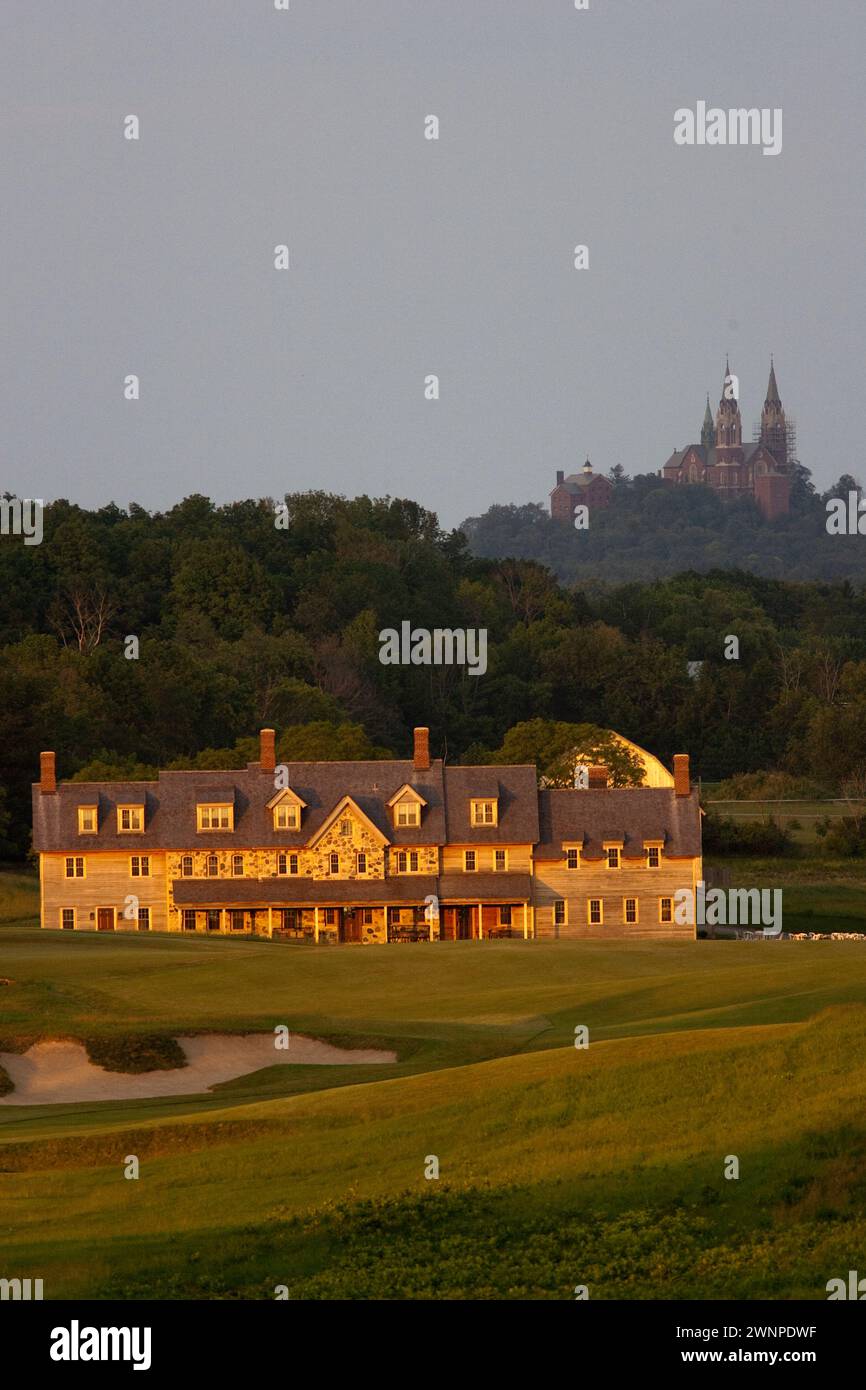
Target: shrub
[
  {"x": 141, "y": 1052},
  {"x": 722, "y": 835},
  {"x": 846, "y": 837}
]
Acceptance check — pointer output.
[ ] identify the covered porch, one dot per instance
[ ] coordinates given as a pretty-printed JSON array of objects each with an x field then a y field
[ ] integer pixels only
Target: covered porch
[{"x": 479, "y": 907}]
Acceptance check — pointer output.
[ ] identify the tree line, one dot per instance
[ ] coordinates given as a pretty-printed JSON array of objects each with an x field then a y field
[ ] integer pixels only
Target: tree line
[{"x": 240, "y": 624}]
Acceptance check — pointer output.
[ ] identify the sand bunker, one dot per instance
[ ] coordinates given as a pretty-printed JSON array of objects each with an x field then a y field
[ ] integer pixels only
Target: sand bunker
[{"x": 55, "y": 1073}]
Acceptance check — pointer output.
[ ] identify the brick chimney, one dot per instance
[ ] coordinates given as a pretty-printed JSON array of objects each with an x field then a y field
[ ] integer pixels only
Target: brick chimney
[
  {"x": 47, "y": 774},
  {"x": 682, "y": 781},
  {"x": 560, "y": 477},
  {"x": 597, "y": 777},
  {"x": 422, "y": 750},
  {"x": 267, "y": 752}
]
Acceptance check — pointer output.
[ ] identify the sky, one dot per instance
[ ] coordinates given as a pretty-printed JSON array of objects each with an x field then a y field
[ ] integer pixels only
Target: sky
[{"x": 411, "y": 257}]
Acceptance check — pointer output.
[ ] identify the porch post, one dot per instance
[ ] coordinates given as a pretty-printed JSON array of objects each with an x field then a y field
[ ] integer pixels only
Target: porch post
[
  {"x": 480, "y": 924},
  {"x": 222, "y": 921},
  {"x": 525, "y": 924},
  {"x": 316, "y": 924},
  {"x": 270, "y": 920}
]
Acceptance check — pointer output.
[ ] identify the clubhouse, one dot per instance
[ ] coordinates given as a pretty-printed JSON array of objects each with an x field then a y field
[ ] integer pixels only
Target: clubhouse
[{"x": 366, "y": 852}]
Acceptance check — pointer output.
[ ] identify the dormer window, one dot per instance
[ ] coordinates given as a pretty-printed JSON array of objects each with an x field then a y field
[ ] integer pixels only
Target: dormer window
[
  {"x": 653, "y": 856},
  {"x": 405, "y": 807},
  {"x": 130, "y": 818},
  {"x": 612, "y": 855},
  {"x": 287, "y": 808},
  {"x": 287, "y": 816},
  {"x": 218, "y": 816},
  {"x": 87, "y": 820},
  {"x": 484, "y": 812}
]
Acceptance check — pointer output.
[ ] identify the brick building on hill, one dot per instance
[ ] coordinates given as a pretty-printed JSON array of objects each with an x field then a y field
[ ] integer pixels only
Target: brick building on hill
[
  {"x": 362, "y": 851},
  {"x": 590, "y": 489},
  {"x": 722, "y": 461}
]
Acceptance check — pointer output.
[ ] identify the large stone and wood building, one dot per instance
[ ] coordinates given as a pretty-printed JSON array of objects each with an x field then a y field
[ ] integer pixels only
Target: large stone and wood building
[
  {"x": 722, "y": 461},
  {"x": 390, "y": 851}
]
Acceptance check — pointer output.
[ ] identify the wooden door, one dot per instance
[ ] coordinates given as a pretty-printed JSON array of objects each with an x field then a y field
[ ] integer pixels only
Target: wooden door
[
  {"x": 105, "y": 919},
  {"x": 464, "y": 923},
  {"x": 350, "y": 925}
]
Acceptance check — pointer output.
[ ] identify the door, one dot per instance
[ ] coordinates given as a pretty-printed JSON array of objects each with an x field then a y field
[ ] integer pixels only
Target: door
[
  {"x": 464, "y": 923},
  {"x": 105, "y": 919},
  {"x": 350, "y": 926}
]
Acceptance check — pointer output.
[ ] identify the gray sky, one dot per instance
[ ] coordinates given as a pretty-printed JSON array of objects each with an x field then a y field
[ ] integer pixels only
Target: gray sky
[{"x": 411, "y": 256}]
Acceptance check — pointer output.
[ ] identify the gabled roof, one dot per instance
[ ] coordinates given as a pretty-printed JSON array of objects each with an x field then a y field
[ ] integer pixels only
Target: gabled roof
[
  {"x": 633, "y": 815},
  {"x": 343, "y": 806},
  {"x": 170, "y": 802},
  {"x": 515, "y": 788}
]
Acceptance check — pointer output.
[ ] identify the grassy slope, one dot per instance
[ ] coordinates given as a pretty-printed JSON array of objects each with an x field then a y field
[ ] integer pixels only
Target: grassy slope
[{"x": 558, "y": 1165}]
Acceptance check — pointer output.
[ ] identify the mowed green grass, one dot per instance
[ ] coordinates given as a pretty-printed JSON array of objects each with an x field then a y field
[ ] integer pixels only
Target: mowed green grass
[{"x": 559, "y": 1165}]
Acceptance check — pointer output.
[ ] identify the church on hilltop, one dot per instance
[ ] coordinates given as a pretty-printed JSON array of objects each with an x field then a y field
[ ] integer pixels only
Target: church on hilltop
[{"x": 722, "y": 461}]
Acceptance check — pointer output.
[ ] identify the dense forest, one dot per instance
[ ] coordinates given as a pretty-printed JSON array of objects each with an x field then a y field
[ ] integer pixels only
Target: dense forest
[
  {"x": 241, "y": 623},
  {"x": 652, "y": 529}
]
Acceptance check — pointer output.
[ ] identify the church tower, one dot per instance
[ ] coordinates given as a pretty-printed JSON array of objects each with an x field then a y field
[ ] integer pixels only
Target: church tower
[
  {"x": 729, "y": 425},
  {"x": 708, "y": 429},
  {"x": 774, "y": 431}
]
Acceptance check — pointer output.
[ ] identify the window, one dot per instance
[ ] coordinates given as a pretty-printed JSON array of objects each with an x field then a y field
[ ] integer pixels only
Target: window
[
  {"x": 469, "y": 861},
  {"x": 75, "y": 867},
  {"x": 413, "y": 861},
  {"x": 572, "y": 859},
  {"x": 330, "y": 916},
  {"x": 408, "y": 813},
  {"x": 362, "y": 863},
  {"x": 594, "y": 913},
  {"x": 236, "y": 919},
  {"x": 345, "y": 827},
  {"x": 144, "y": 919},
  {"x": 653, "y": 857},
  {"x": 368, "y": 917},
  {"x": 612, "y": 858},
  {"x": 213, "y": 866},
  {"x": 500, "y": 860},
  {"x": 238, "y": 865},
  {"x": 186, "y": 866},
  {"x": 282, "y": 863},
  {"x": 188, "y": 916},
  {"x": 67, "y": 918},
  {"x": 402, "y": 861},
  {"x": 665, "y": 913},
  {"x": 213, "y": 919},
  {"x": 139, "y": 866},
  {"x": 87, "y": 820},
  {"x": 219, "y": 817},
  {"x": 629, "y": 910},
  {"x": 505, "y": 916},
  {"x": 334, "y": 861},
  {"x": 130, "y": 818},
  {"x": 559, "y": 917},
  {"x": 287, "y": 817},
  {"x": 293, "y": 864},
  {"x": 483, "y": 812}
]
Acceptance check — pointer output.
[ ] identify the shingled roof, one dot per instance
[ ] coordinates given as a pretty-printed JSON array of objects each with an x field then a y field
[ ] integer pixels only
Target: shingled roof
[
  {"x": 170, "y": 806},
  {"x": 515, "y": 790},
  {"x": 627, "y": 815}
]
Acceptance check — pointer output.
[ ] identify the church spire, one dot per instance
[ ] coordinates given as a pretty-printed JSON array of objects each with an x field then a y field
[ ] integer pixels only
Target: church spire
[
  {"x": 708, "y": 429},
  {"x": 774, "y": 430},
  {"x": 729, "y": 426},
  {"x": 773, "y": 397}
]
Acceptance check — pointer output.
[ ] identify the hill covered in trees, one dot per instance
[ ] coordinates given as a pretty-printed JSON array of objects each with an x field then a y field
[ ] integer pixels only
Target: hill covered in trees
[
  {"x": 241, "y": 624},
  {"x": 652, "y": 529}
]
